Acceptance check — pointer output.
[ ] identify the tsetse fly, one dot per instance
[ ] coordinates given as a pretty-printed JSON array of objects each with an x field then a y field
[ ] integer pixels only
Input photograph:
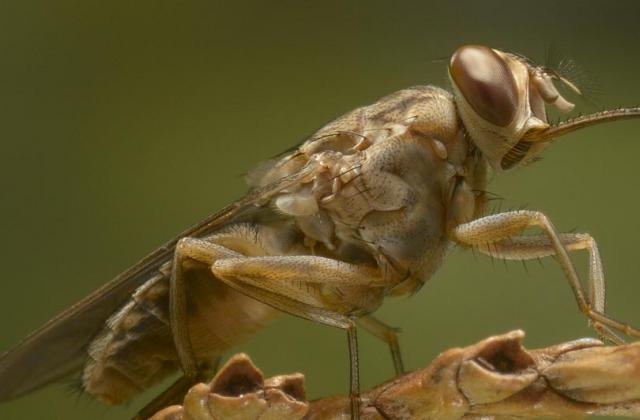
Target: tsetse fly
[{"x": 367, "y": 207}]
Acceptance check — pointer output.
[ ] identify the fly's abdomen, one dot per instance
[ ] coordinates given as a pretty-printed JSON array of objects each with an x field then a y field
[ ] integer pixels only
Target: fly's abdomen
[{"x": 135, "y": 349}]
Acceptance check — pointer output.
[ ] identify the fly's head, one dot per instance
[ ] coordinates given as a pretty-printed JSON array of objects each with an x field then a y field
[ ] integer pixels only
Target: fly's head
[{"x": 502, "y": 98}]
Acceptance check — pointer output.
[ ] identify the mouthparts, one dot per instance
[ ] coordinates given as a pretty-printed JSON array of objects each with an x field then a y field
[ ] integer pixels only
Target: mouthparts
[{"x": 582, "y": 121}]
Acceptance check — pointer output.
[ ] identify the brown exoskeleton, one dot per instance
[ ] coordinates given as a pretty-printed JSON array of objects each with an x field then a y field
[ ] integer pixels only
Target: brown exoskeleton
[{"x": 365, "y": 208}]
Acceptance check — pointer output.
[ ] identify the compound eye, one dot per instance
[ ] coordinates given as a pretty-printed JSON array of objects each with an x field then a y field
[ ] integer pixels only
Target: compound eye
[{"x": 486, "y": 83}]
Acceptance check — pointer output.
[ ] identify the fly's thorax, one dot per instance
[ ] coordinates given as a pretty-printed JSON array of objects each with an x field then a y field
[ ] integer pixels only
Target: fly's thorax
[
  {"x": 393, "y": 207},
  {"x": 390, "y": 200},
  {"x": 391, "y": 181}
]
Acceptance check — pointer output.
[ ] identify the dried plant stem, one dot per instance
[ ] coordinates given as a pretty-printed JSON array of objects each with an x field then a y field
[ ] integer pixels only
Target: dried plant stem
[{"x": 496, "y": 378}]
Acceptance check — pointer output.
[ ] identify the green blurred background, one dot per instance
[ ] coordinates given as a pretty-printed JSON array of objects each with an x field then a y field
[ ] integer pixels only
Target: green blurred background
[{"x": 124, "y": 122}]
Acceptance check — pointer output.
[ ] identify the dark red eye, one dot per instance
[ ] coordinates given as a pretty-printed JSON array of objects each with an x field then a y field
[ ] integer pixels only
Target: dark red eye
[{"x": 486, "y": 83}]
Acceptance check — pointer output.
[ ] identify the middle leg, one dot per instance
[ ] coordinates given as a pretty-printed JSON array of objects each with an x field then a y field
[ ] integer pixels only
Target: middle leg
[{"x": 303, "y": 286}]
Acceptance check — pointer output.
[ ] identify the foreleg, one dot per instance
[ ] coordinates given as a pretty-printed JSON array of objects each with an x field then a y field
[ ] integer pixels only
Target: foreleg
[{"x": 497, "y": 235}]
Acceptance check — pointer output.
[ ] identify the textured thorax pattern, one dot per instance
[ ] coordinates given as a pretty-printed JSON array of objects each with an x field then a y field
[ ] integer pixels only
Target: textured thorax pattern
[{"x": 392, "y": 179}]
